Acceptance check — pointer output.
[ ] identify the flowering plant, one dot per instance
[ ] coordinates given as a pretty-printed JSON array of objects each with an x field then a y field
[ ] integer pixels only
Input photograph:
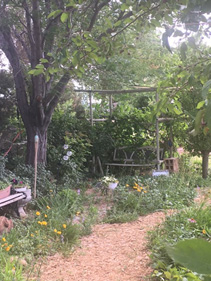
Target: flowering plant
[
  {"x": 18, "y": 184},
  {"x": 109, "y": 179}
]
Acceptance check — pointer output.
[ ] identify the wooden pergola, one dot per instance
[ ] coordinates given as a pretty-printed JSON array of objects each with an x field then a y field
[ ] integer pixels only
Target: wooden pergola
[{"x": 119, "y": 92}]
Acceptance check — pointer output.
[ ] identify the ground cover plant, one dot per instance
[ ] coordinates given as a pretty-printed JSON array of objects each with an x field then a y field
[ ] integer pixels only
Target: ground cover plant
[
  {"x": 189, "y": 223},
  {"x": 141, "y": 195}
]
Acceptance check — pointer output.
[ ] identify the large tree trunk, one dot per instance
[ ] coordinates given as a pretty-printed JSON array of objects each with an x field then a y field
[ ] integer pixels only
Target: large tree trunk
[{"x": 205, "y": 163}]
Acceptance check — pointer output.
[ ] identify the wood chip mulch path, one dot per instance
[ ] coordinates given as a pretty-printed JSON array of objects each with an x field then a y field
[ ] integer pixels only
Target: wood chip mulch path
[{"x": 113, "y": 252}]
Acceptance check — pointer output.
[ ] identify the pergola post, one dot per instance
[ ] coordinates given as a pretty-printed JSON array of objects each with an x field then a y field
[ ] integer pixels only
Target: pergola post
[
  {"x": 90, "y": 108},
  {"x": 157, "y": 137},
  {"x": 110, "y": 105}
]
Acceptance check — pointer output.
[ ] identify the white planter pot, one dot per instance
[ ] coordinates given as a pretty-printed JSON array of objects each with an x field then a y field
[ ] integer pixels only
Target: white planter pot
[{"x": 112, "y": 185}]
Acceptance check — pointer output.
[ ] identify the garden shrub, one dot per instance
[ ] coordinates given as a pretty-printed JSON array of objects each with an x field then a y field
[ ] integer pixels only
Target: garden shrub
[{"x": 73, "y": 135}]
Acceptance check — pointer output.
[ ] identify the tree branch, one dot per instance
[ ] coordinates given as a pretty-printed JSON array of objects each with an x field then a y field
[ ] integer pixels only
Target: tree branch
[
  {"x": 8, "y": 47},
  {"x": 52, "y": 99}
]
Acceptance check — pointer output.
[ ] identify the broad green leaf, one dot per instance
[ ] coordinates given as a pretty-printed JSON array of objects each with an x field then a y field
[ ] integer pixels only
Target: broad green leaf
[
  {"x": 118, "y": 23},
  {"x": 200, "y": 104},
  {"x": 177, "y": 111},
  {"x": 208, "y": 115},
  {"x": 47, "y": 77},
  {"x": 199, "y": 117},
  {"x": 71, "y": 3},
  {"x": 38, "y": 71},
  {"x": 128, "y": 20},
  {"x": 124, "y": 7},
  {"x": 31, "y": 72},
  {"x": 75, "y": 61},
  {"x": 109, "y": 23},
  {"x": 39, "y": 66},
  {"x": 92, "y": 43},
  {"x": 206, "y": 88},
  {"x": 64, "y": 17},
  {"x": 167, "y": 275},
  {"x": 54, "y": 14},
  {"x": 44, "y": 60},
  {"x": 195, "y": 254}
]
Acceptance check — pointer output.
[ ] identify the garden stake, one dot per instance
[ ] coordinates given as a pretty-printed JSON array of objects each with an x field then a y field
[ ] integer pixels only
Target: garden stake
[{"x": 36, "y": 143}]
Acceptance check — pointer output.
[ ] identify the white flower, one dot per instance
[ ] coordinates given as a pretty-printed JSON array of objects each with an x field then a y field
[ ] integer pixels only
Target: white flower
[
  {"x": 65, "y": 157},
  {"x": 69, "y": 153},
  {"x": 66, "y": 146}
]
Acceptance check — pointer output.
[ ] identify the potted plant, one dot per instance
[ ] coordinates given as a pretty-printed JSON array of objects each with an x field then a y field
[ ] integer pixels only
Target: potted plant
[{"x": 109, "y": 182}]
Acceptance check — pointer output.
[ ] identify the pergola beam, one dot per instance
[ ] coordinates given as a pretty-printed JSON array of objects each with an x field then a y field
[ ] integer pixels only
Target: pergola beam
[{"x": 113, "y": 92}]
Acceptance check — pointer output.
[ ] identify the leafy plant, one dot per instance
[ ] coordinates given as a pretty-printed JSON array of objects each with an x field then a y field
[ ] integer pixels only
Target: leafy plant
[
  {"x": 190, "y": 223},
  {"x": 194, "y": 254}
]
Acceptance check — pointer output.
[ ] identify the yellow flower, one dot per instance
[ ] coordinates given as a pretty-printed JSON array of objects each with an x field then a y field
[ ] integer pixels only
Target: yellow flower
[
  {"x": 145, "y": 191},
  {"x": 32, "y": 235},
  {"x": 127, "y": 185},
  {"x": 135, "y": 187},
  {"x": 138, "y": 190},
  {"x": 48, "y": 207},
  {"x": 45, "y": 216},
  {"x": 64, "y": 225},
  {"x": 38, "y": 213},
  {"x": 39, "y": 222},
  {"x": 44, "y": 223},
  {"x": 3, "y": 239},
  {"x": 59, "y": 232},
  {"x": 7, "y": 249},
  {"x": 78, "y": 213},
  {"x": 55, "y": 230},
  {"x": 204, "y": 231}
]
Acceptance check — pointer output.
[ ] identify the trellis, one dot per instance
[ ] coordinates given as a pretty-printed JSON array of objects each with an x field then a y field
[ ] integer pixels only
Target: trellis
[{"x": 130, "y": 91}]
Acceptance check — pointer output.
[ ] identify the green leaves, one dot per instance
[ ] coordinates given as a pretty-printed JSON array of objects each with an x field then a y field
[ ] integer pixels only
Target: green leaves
[
  {"x": 206, "y": 89},
  {"x": 64, "y": 17},
  {"x": 194, "y": 254}
]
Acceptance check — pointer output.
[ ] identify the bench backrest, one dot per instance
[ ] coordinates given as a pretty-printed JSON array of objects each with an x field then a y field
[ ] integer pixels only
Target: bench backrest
[{"x": 145, "y": 154}]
